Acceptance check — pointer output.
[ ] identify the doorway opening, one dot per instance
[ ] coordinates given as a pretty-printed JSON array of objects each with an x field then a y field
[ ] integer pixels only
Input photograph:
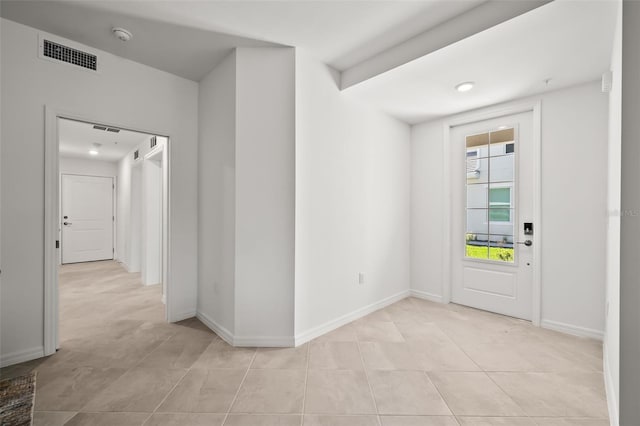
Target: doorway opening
[{"x": 112, "y": 244}]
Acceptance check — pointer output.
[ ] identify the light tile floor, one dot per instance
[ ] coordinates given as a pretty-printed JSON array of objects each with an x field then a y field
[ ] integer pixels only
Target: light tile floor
[{"x": 414, "y": 363}]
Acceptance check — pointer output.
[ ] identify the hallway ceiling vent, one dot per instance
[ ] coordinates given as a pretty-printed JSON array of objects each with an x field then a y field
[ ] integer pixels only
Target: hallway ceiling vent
[
  {"x": 69, "y": 55},
  {"x": 136, "y": 154},
  {"x": 107, "y": 129},
  {"x": 154, "y": 142}
]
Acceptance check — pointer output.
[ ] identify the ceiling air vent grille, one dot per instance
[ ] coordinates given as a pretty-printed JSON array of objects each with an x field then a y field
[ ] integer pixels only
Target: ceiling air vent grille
[
  {"x": 136, "y": 154},
  {"x": 113, "y": 130},
  {"x": 154, "y": 142},
  {"x": 69, "y": 55}
]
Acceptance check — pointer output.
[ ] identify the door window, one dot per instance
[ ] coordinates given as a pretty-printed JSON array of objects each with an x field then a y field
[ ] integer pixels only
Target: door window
[{"x": 490, "y": 207}]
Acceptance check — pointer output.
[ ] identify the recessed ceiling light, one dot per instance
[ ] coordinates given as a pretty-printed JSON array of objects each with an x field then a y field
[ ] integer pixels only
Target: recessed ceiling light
[
  {"x": 465, "y": 87},
  {"x": 502, "y": 127},
  {"x": 93, "y": 152},
  {"x": 122, "y": 34}
]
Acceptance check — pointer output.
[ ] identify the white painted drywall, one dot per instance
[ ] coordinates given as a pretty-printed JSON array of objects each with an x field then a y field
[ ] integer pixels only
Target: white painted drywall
[
  {"x": 574, "y": 202},
  {"x": 246, "y": 197},
  {"x": 83, "y": 166},
  {"x": 152, "y": 223},
  {"x": 352, "y": 201},
  {"x": 630, "y": 221},
  {"x": 123, "y": 211},
  {"x": 130, "y": 204},
  {"x": 124, "y": 93},
  {"x": 134, "y": 235},
  {"x": 612, "y": 325},
  {"x": 427, "y": 193},
  {"x": 216, "y": 199},
  {"x": 265, "y": 194}
]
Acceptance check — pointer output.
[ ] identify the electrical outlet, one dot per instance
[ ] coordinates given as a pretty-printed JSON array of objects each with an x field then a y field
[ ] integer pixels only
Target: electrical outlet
[{"x": 361, "y": 278}]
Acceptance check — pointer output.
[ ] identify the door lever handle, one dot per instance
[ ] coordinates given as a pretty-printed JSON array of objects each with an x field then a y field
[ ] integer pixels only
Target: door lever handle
[
  {"x": 527, "y": 243},
  {"x": 67, "y": 223}
]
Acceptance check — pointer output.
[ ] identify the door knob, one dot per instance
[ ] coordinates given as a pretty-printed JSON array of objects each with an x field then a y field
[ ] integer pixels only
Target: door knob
[
  {"x": 67, "y": 223},
  {"x": 527, "y": 243}
]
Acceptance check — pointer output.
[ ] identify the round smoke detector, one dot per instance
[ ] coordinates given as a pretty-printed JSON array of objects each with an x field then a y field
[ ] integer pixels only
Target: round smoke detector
[{"x": 122, "y": 34}]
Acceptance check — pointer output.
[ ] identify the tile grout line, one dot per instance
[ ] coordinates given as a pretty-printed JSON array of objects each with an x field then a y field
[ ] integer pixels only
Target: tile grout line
[
  {"x": 510, "y": 397},
  {"x": 186, "y": 371},
  {"x": 100, "y": 392},
  {"x": 235, "y": 397},
  {"x": 177, "y": 383},
  {"x": 152, "y": 351},
  {"x": 366, "y": 375},
  {"x": 451, "y": 333},
  {"x": 426, "y": 373},
  {"x": 459, "y": 347},
  {"x": 306, "y": 379},
  {"x": 486, "y": 373},
  {"x": 147, "y": 419}
]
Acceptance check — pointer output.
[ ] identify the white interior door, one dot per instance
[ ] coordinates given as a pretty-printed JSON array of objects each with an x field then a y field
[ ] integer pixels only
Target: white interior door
[
  {"x": 492, "y": 202},
  {"x": 87, "y": 218}
]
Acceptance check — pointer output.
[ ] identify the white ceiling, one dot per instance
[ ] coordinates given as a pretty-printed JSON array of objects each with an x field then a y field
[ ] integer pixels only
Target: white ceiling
[
  {"x": 195, "y": 35},
  {"x": 340, "y": 33},
  {"x": 77, "y": 138},
  {"x": 188, "y": 52},
  {"x": 567, "y": 41}
]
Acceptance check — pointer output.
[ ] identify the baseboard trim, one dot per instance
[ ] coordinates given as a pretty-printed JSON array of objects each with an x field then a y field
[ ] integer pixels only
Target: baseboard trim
[
  {"x": 183, "y": 316},
  {"x": 245, "y": 341},
  {"x": 612, "y": 403},
  {"x": 21, "y": 356},
  {"x": 572, "y": 329},
  {"x": 426, "y": 295},
  {"x": 264, "y": 341},
  {"x": 331, "y": 325},
  {"x": 221, "y": 331}
]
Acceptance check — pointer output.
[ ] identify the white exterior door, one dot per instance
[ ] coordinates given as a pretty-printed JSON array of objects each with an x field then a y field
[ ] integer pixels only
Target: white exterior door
[
  {"x": 492, "y": 203},
  {"x": 87, "y": 218}
]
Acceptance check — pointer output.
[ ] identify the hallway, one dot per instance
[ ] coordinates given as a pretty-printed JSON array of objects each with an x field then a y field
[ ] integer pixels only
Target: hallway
[{"x": 413, "y": 363}]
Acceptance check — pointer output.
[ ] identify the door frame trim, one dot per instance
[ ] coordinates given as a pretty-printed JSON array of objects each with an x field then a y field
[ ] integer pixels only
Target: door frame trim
[
  {"x": 51, "y": 219},
  {"x": 535, "y": 106}
]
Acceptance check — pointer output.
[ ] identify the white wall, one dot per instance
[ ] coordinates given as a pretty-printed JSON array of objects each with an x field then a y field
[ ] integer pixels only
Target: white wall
[
  {"x": 246, "y": 208},
  {"x": 265, "y": 194},
  {"x": 124, "y": 93},
  {"x": 427, "y": 195},
  {"x": 152, "y": 226},
  {"x": 216, "y": 200},
  {"x": 123, "y": 213},
  {"x": 287, "y": 152},
  {"x": 133, "y": 251},
  {"x": 84, "y": 166},
  {"x": 352, "y": 202},
  {"x": 612, "y": 326},
  {"x": 574, "y": 202},
  {"x": 130, "y": 203},
  {"x": 630, "y": 222}
]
